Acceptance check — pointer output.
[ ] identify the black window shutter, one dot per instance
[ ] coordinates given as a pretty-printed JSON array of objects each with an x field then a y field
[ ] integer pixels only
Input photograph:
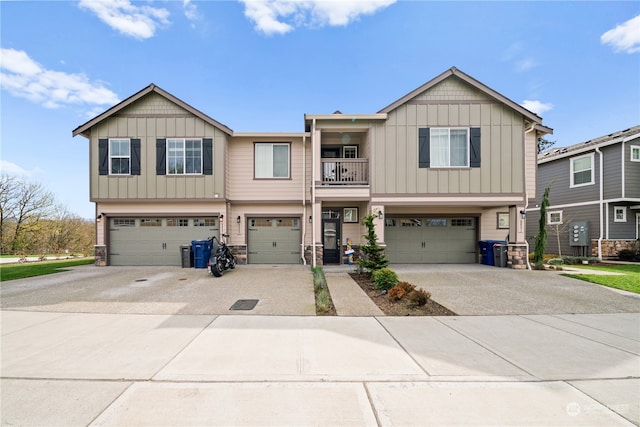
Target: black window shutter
[
  {"x": 474, "y": 158},
  {"x": 135, "y": 157},
  {"x": 207, "y": 157},
  {"x": 161, "y": 152},
  {"x": 424, "y": 155},
  {"x": 103, "y": 156}
]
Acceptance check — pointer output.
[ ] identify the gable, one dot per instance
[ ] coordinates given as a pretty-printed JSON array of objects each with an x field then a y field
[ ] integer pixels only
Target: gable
[
  {"x": 153, "y": 104},
  {"x": 451, "y": 89}
]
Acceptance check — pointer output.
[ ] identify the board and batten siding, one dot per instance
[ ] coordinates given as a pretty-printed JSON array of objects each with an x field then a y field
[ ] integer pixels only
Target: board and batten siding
[
  {"x": 449, "y": 104},
  {"x": 151, "y": 118}
]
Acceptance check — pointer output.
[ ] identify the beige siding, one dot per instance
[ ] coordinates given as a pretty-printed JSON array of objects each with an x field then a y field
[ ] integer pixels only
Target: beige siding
[
  {"x": 242, "y": 185},
  {"x": 395, "y": 165},
  {"x": 134, "y": 122}
]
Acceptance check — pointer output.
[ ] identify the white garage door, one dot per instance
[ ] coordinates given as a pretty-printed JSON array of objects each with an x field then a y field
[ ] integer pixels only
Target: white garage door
[
  {"x": 431, "y": 240},
  {"x": 155, "y": 241},
  {"x": 274, "y": 241}
]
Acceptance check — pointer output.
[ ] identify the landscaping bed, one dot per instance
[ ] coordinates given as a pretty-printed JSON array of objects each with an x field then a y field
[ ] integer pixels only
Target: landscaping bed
[{"x": 399, "y": 308}]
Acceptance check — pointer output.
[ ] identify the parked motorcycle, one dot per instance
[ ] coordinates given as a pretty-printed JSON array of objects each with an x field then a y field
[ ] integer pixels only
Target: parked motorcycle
[{"x": 221, "y": 259}]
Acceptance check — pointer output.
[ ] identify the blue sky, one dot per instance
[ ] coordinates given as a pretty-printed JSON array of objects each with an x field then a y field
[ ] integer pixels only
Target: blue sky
[{"x": 260, "y": 65}]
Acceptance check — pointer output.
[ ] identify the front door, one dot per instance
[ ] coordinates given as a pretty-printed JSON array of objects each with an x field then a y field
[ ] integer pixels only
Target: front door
[{"x": 331, "y": 241}]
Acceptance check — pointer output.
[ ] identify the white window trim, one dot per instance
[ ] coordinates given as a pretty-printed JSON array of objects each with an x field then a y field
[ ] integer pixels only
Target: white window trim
[
  {"x": 549, "y": 213},
  {"x": 624, "y": 213},
  {"x": 634, "y": 147},
  {"x": 272, "y": 144},
  {"x": 111, "y": 157},
  {"x": 184, "y": 156},
  {"x": 593, "y": 172},
  {"x": 467, "y": 160}
]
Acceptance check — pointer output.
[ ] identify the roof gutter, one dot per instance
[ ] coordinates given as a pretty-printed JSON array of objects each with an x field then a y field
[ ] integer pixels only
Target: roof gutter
[
  {"x": 526, "y": 195},
  {"x": 601, "y": 204}
]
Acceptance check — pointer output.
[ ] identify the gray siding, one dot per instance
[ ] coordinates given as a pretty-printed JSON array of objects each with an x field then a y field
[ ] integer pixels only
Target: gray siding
[
  {"x": 612, "y": 171},
  {"x": 558, "y": 175},
  {"x": 150, "y": 118},
  {"x": 622, "y": 230},
  {"x": 452, "y": 103},
  {"x": 631, "y": 171}
]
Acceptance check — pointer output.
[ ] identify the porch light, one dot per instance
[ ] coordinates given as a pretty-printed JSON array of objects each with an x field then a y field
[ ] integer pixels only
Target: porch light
[
  {"x": 238, "y": 219},
  {"x": 310, "y": 219},
  {"x": 523, "y": 213},
  {"x": 380, "y": 214}
]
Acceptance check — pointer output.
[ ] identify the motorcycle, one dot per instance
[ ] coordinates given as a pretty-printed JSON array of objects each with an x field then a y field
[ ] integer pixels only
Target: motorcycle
[{"x": 221, "y": 259}]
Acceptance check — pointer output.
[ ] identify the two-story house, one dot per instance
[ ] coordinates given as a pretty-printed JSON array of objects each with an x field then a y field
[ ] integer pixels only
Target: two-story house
[
  {"x": 449, "y": 164},
  {"x": 594, "y": 195}
]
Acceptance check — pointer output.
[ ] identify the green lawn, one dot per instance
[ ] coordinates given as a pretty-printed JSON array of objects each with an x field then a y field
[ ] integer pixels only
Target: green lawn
[
  {"x": 21, "y": 271},
  {"x": 629, "y": 281}
]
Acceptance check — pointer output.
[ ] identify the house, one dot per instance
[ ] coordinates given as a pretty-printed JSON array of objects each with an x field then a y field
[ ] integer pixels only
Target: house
[
  {"x": 594, "y": 198},
  {"x": 451, "y": 163}
]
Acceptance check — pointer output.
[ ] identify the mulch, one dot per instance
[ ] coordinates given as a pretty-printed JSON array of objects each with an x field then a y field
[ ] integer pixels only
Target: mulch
[{"x": 391, "y": 308}]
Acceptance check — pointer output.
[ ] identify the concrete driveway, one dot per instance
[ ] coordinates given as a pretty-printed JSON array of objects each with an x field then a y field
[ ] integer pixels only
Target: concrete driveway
[{"x": 283, "y": 290}]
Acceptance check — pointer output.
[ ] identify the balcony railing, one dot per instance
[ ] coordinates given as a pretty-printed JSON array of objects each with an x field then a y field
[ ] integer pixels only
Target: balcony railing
[{"x": 345, "y": 171}]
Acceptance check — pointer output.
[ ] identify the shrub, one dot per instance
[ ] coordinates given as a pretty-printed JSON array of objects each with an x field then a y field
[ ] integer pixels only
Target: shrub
[
  {"x": 396, "y": 293},
  {"x": 626, "y": 255},
  {"x": 556, "y": 261},
  {"x": 408, "y": 287},
  {"x": 373, "y": 254},
  {"x": 384, "y": 278},
  {"x": 418, "y": 297}
]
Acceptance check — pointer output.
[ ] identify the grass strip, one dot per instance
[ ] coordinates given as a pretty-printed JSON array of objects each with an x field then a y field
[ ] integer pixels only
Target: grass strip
[
  {"x": 324, "y": 303},
  {"x": 628, "y": 280},
  {"x": 33, "y": 269}
]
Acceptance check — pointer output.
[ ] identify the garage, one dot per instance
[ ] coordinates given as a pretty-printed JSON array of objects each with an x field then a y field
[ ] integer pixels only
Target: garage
[
  {"x": 155, "y": 241},
  {"x": 273, "y": 241},
  {"x": 431, "y": 240}
]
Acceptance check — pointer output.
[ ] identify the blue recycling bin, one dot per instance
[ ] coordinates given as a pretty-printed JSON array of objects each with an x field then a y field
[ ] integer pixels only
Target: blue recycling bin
[
  {"x": 201, "y": 252},
  {"x": 486, "y": 250}
]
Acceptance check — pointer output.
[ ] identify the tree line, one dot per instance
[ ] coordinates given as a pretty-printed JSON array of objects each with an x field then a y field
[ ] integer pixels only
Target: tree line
[{"x": 32, "y": 222}]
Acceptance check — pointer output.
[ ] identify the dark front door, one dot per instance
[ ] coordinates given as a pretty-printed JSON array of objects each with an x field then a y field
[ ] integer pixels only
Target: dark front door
[{"x": 331, "y": 241}]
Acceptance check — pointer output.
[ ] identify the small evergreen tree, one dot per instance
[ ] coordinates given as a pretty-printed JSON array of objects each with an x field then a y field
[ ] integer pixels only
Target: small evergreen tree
[
  {"x": 541, "y": 238},
  {"x": 374, "y": 258}
]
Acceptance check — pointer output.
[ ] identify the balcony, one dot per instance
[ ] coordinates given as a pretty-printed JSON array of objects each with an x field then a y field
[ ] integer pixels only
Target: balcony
[{"x": 345, "y": 171}]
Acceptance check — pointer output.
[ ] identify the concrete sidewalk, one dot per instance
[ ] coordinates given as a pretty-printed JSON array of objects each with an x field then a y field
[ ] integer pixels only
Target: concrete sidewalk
[{"x": 127, "y": 369}]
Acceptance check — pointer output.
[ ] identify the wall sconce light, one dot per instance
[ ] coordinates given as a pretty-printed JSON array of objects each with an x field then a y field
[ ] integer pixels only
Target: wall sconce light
[
  {"x": 221, "y": 216},
  {"x": 380, "y": 214},
  {"x": 310, "y": 219},
  {"x": 523, "y": 214},
  {"x": 238, "y": 219},
  {"x": 98, "y": 218}
]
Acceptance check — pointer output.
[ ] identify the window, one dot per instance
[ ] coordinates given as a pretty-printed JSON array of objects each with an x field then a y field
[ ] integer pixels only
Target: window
[
  {"x": 124, "y": 222},
  {"x": 462, "y": 222},
  {"x": 204, "y": 222},
  {"x": 350, "y": 152},
  {"x": 184, "y": 156},
  {"x": 503, "y": 220},
  {"x": 582, "y": 170},
  {"x": 635, "y": 153},
  {"x": 271, "y": 160},
  {"x": 619, "y": 214},
  {"x": 119, "y": 157},
  {"x": 554, "y": 217},
  {"x": 150, "y": 222},
  {"x": 449, "y": 147},
  {"x": 351, "y": 215},
  {"x": 436, "y": 222},
  {"x": 177, "y": 222}
]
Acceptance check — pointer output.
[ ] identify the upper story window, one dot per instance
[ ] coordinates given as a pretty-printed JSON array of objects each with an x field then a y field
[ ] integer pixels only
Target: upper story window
[
  {"x": 635, "y": 153},
  {"x": 448, "y": 147},
  {"x": 184, "y": 156},
  {"x": 582, "y": 170},
  {"x": 119, "y": 156},
  {"x": 271, "y": 160}
]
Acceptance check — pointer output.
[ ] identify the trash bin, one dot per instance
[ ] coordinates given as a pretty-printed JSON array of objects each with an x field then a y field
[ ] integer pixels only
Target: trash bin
[
  {"x": 186, "y": 254},
  {"x": 201, "y": 252},
  {"x": 500, "y": 254},
  {"x": 486, "y": 250}
]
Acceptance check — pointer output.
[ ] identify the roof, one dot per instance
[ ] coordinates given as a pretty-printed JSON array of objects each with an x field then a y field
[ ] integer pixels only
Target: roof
[
  {"x": 592, "y": 144},
  {"x": 453, "y": 71},
  {"x": 84, "y": 128}
]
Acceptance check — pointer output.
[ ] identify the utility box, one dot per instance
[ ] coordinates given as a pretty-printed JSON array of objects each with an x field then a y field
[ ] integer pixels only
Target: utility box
[{"x": 579, "y": 233}]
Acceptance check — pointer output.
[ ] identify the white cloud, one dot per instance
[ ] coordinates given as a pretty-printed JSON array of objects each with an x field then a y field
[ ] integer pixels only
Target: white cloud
[
  {"x": 526, "y": 64},
  {"x": 140, "y": 22},
  {"x": 23, "y": 77},
  {"x": 190, "y": 11},
  {"x": 625, "y": 37},
  {"x": 537, "y": 107},
  {"x": 269, "y": 16},
  {"x": 8, "y": 168}
]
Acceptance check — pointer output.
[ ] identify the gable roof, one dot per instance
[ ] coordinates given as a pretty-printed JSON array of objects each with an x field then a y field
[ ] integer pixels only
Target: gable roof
[
  {"x": 592, "y": 144},
  {"x": 84, "y": 128},
  {"x": 453, "y": 71}
]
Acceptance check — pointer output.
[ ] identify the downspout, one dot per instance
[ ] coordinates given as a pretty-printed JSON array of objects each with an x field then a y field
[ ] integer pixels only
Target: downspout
[
  {"x": 304, "y": 201},
  {"x": 601, "y": 200},
  {"x": 526, "y": 194},
  {"x": 313, "y": 192}
]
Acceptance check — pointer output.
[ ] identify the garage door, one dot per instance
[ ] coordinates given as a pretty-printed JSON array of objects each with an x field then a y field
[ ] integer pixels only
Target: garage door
[
  {"x": 155, "y": 241},
  {"x": 430, "y": 240},
  {"x": 273, "y": 241}
]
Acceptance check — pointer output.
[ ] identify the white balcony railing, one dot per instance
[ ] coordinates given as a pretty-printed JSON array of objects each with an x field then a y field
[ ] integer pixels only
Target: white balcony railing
[{"x": 345, "y": 171}]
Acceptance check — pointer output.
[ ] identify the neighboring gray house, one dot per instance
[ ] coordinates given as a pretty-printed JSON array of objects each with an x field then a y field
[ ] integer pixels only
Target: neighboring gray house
[{"x": 594, "y": 197}]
